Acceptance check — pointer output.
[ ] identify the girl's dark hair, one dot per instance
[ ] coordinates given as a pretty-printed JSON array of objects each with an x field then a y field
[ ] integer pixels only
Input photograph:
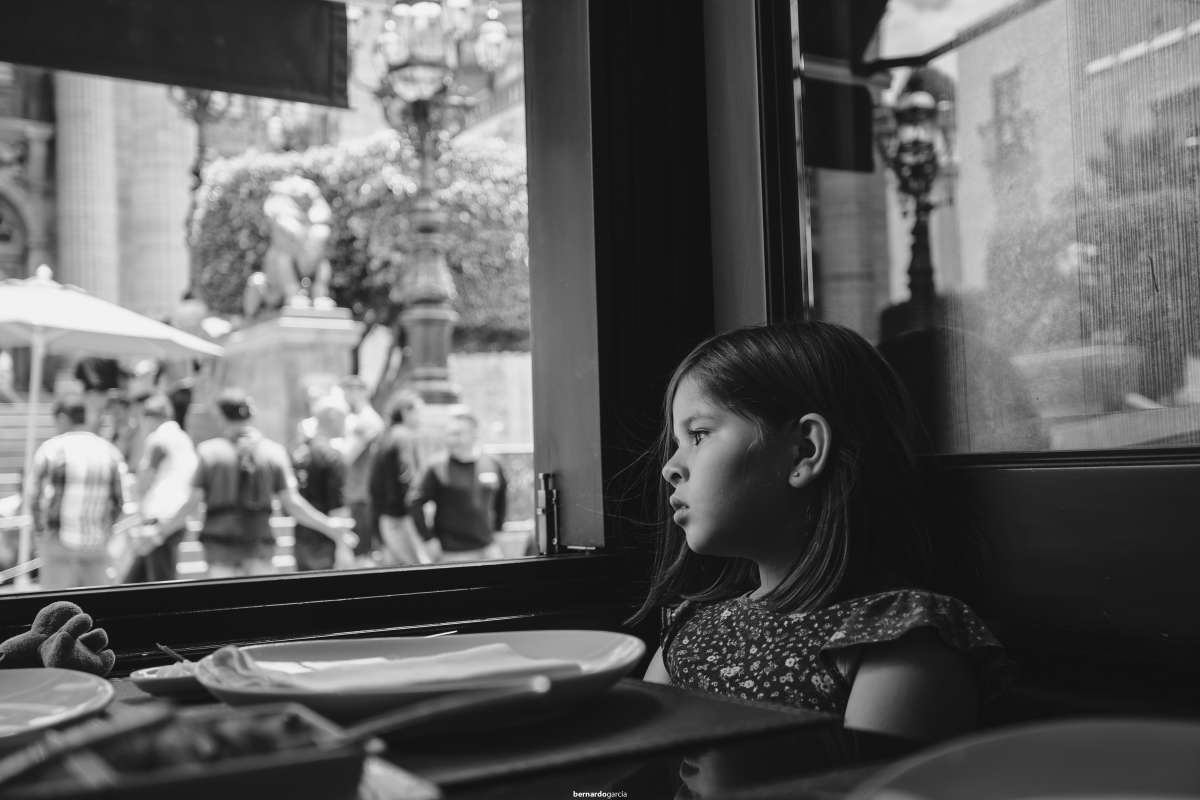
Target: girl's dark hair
[{"x": 867, "y": 528}]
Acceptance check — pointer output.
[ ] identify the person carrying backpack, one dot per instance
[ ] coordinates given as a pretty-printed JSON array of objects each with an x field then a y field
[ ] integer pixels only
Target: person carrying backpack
[
  {"x": 363, "y": 427},
  {"x": 240, "y": 473}
]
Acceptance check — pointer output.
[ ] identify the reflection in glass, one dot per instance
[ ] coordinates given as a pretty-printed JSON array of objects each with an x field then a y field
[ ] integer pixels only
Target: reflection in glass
[{"x": 1040, "y": 290}]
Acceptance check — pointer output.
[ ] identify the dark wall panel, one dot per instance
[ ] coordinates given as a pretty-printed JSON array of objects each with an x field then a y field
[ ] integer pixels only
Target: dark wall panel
[{"x": 1087, "y": 572}]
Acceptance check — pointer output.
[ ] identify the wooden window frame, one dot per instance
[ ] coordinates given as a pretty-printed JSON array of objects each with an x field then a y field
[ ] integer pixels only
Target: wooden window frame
[{"x": 616, "y": 262}]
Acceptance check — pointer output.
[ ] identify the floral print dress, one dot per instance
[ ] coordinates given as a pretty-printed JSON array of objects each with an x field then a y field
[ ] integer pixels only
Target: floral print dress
[{"x": 741, "y": 648}]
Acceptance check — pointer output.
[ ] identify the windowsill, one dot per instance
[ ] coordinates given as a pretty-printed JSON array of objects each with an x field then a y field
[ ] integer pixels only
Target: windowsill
[{"x": 197, "y": 617}]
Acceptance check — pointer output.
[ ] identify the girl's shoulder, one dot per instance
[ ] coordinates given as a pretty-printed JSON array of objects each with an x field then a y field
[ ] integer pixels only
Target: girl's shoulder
[
  {"x": 827, "y": 642},
  {"x": 886, "y": 616},
  {"x": 870, "y": 619}
]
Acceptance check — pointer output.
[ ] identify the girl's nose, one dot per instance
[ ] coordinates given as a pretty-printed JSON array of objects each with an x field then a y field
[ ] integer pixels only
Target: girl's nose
[{"x": 671, "y": 473}]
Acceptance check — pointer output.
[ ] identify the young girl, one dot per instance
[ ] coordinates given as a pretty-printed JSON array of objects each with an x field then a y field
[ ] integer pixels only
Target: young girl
[{"x": 796, "y": 542}]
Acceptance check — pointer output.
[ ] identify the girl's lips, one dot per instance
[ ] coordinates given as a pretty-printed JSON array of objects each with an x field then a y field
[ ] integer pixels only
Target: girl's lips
[{"x": 679, "y": 515}]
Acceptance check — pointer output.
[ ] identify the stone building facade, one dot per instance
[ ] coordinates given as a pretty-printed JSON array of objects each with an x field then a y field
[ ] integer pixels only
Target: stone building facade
[{"x": 98, "y": 189}]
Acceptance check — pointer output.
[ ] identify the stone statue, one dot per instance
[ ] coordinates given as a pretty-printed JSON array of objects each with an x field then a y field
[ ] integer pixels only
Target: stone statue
[{"x": 295, "y": 271}]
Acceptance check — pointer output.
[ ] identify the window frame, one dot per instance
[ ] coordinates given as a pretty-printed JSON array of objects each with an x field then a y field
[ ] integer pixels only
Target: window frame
[
  {"x": 589, "y": 175},
  {"x": 762, "y": 267}
]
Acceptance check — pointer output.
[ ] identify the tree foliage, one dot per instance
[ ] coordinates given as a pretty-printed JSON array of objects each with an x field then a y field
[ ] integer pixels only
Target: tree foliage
[
  {"x": 1114, "y": 260},
  {"x": 1144, "y": 161},
  {"x": 370, "y": 186}
]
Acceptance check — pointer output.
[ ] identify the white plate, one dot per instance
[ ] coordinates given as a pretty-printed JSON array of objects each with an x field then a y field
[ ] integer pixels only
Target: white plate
[
  {"x": 35, "y": 700},
  {"x": 603, "y": 658},
  {"x": 1098, "y": 759},
  {"x": 151, "y": 681}
]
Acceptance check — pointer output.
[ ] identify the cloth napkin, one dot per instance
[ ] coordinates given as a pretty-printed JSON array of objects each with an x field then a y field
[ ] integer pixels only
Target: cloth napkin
[{"x": 484, "y": 662}]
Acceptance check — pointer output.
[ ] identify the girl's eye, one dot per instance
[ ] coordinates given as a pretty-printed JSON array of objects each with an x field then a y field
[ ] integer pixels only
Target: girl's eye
[{"x": 697, "y": 437}]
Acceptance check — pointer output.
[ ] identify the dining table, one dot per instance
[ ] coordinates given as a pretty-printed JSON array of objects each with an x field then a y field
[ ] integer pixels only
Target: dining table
[
  {"x": 624, "y": 739},
  {"x": 635, "y": 740}
]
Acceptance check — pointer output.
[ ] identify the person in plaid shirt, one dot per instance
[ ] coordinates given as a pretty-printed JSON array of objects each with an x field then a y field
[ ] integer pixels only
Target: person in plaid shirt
[{"x": 77, "y": 495}]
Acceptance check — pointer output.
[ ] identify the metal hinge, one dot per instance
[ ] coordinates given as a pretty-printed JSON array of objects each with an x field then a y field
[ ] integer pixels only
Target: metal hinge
[{"x": 546, "y": 509}]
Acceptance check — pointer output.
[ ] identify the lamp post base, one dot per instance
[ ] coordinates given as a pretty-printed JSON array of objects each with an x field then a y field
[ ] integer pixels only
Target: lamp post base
[
  {"x": 921, "y": 310},
  {"x": 427, "y": 330},
  {"x": 908, "y": 316},
  {"x": 278, "y": 360}
]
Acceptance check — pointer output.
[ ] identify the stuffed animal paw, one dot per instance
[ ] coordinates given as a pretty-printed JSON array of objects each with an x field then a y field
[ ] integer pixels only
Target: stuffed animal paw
[
  {"x": 77, "y": 645},
  {"x": 61, "y": 636},
  {"x": 53, "y": 617},
  {"x": 21, "y": 651}
]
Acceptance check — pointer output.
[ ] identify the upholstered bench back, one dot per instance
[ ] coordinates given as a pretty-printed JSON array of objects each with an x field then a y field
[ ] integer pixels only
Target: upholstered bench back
[{"x": 1091, "y": 577}]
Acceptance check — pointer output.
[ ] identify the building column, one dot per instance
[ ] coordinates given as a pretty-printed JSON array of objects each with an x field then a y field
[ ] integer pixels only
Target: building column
[
  {"x": 156, "y": 149},
  {"x": 41, "y": 193},
  {"x": 850, "y": 244},
  {"x": 86, "y": 177}
]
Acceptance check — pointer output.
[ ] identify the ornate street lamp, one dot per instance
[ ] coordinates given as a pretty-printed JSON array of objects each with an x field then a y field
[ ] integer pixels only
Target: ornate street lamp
[
  {"x": 203, "y": 107},
  {"x": 914, "y": 139},
  {"x": 419, "y": 55},
  {"x": 293, "y": 126},
  {"x": 492, "y": 44}
]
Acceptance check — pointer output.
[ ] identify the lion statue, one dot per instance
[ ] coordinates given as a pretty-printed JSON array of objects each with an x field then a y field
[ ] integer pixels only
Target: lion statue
[{"x": 295, "y": 271}]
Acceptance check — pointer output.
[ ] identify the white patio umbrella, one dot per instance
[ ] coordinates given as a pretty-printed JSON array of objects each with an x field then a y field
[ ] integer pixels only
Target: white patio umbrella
[{"x": 49, "y": 316}]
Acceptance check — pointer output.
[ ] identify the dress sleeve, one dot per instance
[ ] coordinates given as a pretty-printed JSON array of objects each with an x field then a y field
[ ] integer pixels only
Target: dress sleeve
[{"x": 889, "y": 616}]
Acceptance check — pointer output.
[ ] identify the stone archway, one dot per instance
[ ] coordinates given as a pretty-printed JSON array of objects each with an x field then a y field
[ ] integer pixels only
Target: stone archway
[{"x": 14, "y": 252}]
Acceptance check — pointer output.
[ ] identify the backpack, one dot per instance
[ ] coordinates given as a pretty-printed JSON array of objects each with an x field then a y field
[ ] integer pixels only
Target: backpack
[{"x": 249, "y": 477}]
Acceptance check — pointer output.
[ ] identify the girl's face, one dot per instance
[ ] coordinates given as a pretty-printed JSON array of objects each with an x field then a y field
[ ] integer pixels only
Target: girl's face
[{"x": 730, "y": 484}]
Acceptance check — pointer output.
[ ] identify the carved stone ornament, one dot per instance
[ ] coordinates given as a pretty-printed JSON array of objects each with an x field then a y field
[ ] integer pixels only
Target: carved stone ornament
[{"x": 295, "y": 270}]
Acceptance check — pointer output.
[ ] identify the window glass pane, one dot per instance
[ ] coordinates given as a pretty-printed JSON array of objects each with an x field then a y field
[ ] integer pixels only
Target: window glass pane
[
  {"x": 1025, "y": 250},
  {"x": 918, "y": 26},
  {"x": 386, "y": 243}
]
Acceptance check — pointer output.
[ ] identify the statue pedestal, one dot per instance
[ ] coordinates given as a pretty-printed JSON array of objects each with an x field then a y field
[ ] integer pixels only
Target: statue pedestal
[{"x": 278, "y": 361}]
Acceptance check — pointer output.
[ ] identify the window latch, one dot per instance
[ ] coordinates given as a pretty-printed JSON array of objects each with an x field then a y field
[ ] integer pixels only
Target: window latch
[{"x": 546, "y": 509}]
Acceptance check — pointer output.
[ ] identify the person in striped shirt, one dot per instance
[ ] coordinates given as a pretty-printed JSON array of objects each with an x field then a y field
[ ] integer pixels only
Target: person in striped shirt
[{"x": 77, "y": 495}]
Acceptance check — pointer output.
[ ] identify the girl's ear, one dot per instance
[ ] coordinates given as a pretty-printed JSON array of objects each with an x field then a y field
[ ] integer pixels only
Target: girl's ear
[{"x": 810, "y": 450}]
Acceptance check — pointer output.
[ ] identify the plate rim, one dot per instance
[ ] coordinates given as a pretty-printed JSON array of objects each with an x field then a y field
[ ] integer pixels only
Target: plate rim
[
  {"x": 422, "y": 688},
  {"x": 93, "y": 706},
  {"x": 175, "y": 686},
  {"x": 882, "y": 780},
  {"x": 441, "y": 638},
  {"x": 139, "y": 674}
]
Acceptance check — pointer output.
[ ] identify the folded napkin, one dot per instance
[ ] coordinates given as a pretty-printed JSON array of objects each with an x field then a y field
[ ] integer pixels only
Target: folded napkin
[{"x": 234, "y": 667}]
